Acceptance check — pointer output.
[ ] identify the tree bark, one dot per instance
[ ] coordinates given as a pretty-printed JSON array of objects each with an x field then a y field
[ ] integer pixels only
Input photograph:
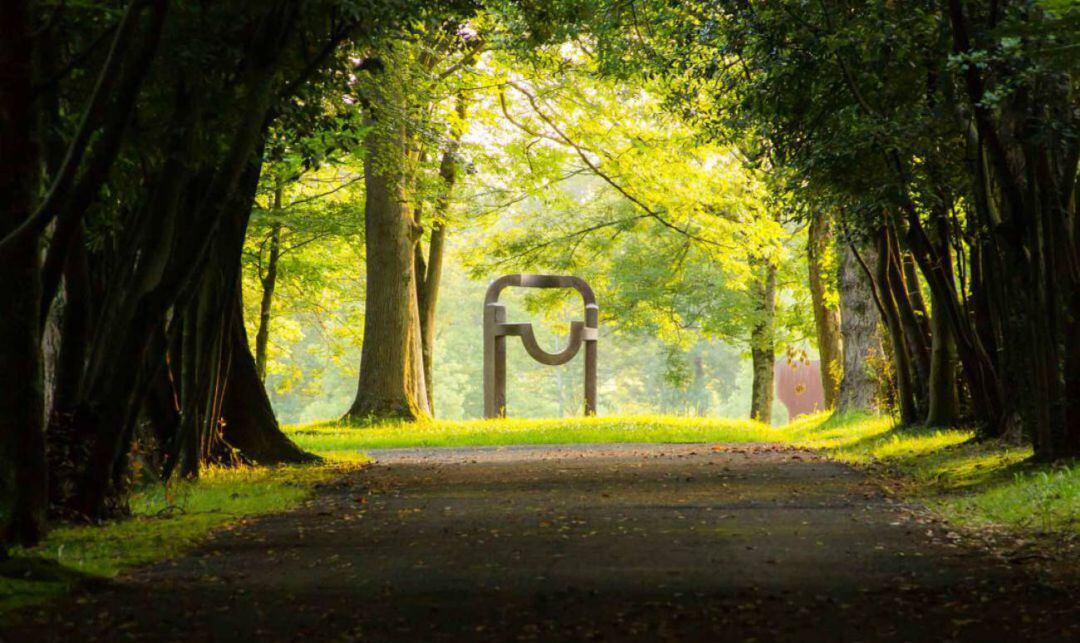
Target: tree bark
[
  {"x": 901, "y": 358},
  {"x": 826, "y": 316},
  {"x": 429, "y": 272},
  {"x": 762, "y": 346},
  {"x": 23, "y": 478},
  {"x": 269, "y": 283},
  {"x": 429, "y": 296},
  {"x": 912, "y": 327},
  {"x": 943, "y": 407},
  {"x": 391, "y": 383},
  {"x": 859, "y": 327},
  {"x": 249, "y": 422}
]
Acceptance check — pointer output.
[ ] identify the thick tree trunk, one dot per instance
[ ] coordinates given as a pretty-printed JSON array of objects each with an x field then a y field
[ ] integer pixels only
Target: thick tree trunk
[
  {"x": 23, "y": 480},
  {"x": 762, "y": 347},
  {"x": 391, "y": 383},
  {"x": 269, "y": 283},
  {"x": 249, "y": 422},
  {"x": 943, "y": 408},
  {"x": 859, "y": 327},
  {"x": 826, "y": 317}
]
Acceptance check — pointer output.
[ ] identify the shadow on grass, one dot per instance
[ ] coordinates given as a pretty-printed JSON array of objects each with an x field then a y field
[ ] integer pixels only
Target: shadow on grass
[
  {"x": 30, "y": 580},
  {"x": 43, "y": 570}
]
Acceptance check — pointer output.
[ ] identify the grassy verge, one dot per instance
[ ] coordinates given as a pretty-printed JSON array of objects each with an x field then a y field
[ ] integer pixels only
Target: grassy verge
[
  {"x": 166, "y": 522},
  {"x": 973, "y": 484}
]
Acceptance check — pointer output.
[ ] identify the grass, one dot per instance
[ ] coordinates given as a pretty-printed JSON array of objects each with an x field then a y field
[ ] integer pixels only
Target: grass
[
  {"x": 337, "y": 440},
  {"x": 167, "y": 521},
  {"x": 973, "y": 484}
]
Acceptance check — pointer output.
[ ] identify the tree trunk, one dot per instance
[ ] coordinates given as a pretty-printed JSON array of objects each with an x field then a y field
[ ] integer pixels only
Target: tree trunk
[
  {"x": 429, "y": 272},
  {"x": 269, "y": 283},
  {"x": 138, "y": 308},
  {"x": 249, "y": 422},
  {"x": 826, "y": 318},
  {"x": 901, "y": 358},
  {"x": 762, "y": 347},
  {"x": 429, "y": 296},
  {"x": 23, "y": 478},
  {"x": 859, "y": 327},
  {"x": 391, "y": 383},
  {"x": 943, "y": 408},
  {"x": 943, "y": 405},
  {"x": 912, "y": 328}
]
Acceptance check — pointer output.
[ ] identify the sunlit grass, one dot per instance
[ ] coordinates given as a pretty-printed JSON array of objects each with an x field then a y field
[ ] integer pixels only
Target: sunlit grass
[
  {"x": 1041, "y": 500},
  {"x": 335, "y": 440},
  {"x": 167, "y": 521},
  {"x": 971, "y": 483}
]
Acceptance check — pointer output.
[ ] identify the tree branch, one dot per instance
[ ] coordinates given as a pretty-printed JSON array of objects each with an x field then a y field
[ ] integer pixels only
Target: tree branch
[{"x": 564, "y": 139}]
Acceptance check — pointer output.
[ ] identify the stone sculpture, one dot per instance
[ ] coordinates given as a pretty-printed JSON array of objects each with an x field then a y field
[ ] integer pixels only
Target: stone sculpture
[{"x": 497, "y": 329}]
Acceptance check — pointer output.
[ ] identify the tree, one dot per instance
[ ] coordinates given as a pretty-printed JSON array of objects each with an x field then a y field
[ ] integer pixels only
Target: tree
[
  {"x": 401, "y": 92},
  {"x": 859, "y": 327},
  {"x": 678, "y": 232},
  {"x": 152, "y": 119},
  {"x": 821, "y": 265},
  {"x": 908, "y": 119}
]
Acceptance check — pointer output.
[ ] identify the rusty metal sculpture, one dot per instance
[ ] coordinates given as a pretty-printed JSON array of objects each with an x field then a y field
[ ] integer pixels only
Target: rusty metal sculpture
[{"x": 496, "y": 330}]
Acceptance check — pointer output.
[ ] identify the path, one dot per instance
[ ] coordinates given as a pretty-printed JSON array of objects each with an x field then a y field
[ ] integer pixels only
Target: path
[{"x": 654, "y": 542}]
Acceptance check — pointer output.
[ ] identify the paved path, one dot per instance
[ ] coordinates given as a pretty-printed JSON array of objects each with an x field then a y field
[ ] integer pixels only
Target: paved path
[{"x": 619, "y": 542}]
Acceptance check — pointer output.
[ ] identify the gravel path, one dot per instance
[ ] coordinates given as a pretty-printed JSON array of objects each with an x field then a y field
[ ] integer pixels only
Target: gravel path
[{"x": 592, "y": 542}]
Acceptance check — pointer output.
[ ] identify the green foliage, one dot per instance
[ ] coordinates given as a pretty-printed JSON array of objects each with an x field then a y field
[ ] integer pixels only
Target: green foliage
[
  {"x": 317, "y": 310},
  {"x": 609, "y": 185}
]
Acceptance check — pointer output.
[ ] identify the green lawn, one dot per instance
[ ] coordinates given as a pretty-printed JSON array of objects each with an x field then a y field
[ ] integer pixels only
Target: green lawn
[
  {"x": 974, "y": 484},
  {"x": 336, "y": 441}
]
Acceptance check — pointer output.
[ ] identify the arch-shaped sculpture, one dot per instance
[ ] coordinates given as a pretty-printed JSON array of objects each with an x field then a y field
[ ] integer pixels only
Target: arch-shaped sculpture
[{"x": 496, "y": 330}]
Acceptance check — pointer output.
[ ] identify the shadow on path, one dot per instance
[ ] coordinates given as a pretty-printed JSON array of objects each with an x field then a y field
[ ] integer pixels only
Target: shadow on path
[{"x": 612, "y": 542}]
